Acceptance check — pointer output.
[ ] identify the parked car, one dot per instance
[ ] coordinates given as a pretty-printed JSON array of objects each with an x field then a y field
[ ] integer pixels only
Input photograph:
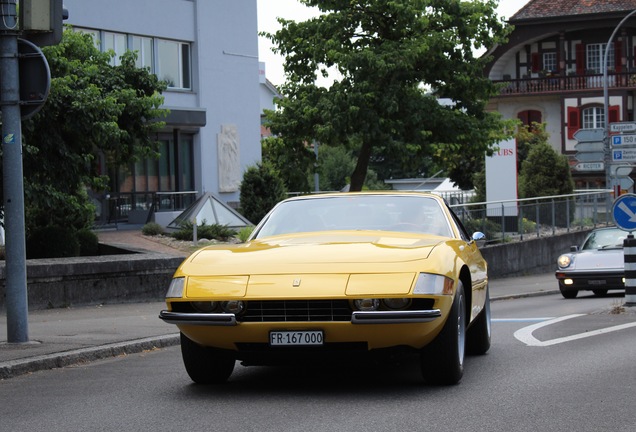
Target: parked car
[
  {"x": 597, "y": 265},
  {"x": 334, "y": 276}
]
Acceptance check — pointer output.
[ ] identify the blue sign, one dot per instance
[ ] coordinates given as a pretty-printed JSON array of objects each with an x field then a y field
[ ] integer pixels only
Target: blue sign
[{"x": 624, "y": 212}]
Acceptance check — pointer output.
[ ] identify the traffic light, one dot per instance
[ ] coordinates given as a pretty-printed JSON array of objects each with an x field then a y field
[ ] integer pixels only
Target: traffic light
[{"x": 41, "y": 21}]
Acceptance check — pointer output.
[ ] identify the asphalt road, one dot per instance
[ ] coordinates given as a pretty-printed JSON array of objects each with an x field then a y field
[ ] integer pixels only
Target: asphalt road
[{"x": 540, "y": 375}]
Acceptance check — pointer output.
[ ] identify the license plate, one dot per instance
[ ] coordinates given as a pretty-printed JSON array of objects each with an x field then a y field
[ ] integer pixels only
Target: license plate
[
  {"x": 596, "y": 282},
  {"x": 295, "y": 338}
]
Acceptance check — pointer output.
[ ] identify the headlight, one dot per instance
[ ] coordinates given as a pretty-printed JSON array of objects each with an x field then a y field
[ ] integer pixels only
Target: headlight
[
  {"x": 175, "y": 290},
  {"x": 428, "y": 283},
  {"x": 233, "y": 306},
  {"x": 396, "y": 303},
  {"x": 367, "y": 304},
  {"x": 565, "y": 261},
  {"x": 204, "y": 306}
]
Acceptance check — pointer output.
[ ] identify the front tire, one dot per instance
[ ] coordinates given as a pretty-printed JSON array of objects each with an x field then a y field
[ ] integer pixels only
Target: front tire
[
  {"x": 568, "y": 294},
  {"x": 442, "y": 362},
  {"x": 479, "y": 333},
  {"x": 206, "y": 365}
]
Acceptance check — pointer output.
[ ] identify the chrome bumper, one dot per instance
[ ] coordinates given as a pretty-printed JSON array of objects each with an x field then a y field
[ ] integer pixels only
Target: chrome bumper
[{"x": 358, "y": 317}]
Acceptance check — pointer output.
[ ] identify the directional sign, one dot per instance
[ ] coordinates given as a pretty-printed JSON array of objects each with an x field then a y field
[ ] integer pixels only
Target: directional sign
[
  {"x": 623, "y": 127},
  {"x": 589, "y": 156},
  {"x": 589, "y": 135},
  {"x": 593, "y": 146},
  {"x": 624, "y": 212},
  {"x": 624, "y": 155},
  {"x": 590, "y": 166},
  {"x": 624, "y": 140}
]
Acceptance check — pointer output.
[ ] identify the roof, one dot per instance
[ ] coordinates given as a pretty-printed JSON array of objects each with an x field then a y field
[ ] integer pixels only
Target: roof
[{"x": 551, "y": 8}]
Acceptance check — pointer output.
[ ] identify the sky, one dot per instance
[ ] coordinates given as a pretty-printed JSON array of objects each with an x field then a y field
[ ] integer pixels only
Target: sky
[{"x": 269, "y": 10}]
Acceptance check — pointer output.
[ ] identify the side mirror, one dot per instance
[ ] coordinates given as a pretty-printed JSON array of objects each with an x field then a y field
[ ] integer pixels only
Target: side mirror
[
  {"x": 574, "y": 248},
  {"x": 479, "y": 238}
]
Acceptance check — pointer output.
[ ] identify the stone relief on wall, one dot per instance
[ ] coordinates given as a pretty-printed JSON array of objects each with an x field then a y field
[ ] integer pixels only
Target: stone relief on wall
[{"x": 228, "y": 145}]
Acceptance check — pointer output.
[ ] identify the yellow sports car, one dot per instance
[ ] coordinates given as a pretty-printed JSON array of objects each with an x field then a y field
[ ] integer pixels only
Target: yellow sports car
[{"x": 333, "y": 276}]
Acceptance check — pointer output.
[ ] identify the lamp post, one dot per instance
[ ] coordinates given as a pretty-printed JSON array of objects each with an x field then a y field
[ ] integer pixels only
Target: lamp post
[{"x": 606, "y": 144}]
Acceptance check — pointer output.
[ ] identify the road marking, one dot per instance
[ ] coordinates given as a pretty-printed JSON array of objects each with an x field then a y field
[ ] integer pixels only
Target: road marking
[
  {"x": 525, "y": 334},
  {"x": 520, "y": 319}
]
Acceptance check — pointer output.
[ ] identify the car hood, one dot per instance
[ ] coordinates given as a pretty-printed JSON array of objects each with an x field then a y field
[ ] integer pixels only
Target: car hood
[
  {"x": 599, "y": 259},
  {"x": 314, "y": 253}
]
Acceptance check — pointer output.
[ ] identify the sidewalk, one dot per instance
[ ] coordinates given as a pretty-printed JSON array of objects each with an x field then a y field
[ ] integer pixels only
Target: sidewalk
[{"x": 63, "y": 337}]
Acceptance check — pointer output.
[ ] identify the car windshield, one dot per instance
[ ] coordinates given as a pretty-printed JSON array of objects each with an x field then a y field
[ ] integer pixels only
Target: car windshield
[
  {"x": 605, "y": 239},
  {"x": 418, "y": 214}
]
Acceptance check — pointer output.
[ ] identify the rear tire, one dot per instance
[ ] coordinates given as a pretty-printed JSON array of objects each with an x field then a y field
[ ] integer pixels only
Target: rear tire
[
  {"x": 442, "y": 362},
  {"x": 206, "y": 365},
  {"x": 478, "y": 335}
]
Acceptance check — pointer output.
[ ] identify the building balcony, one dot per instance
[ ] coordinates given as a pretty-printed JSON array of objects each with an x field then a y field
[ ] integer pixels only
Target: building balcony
[{"x": 554, "y": 83}]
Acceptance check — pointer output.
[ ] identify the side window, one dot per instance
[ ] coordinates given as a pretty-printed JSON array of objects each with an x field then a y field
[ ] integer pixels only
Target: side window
[{"x": 462, "y": 230}]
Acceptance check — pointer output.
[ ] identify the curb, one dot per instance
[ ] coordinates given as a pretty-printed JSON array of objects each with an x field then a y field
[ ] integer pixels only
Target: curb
[
  {"x": 524, "y": 295},
  {"x": 15, "y": 368}
]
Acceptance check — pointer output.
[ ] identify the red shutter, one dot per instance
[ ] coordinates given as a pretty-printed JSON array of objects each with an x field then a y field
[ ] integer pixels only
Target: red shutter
[
  {"x": 523, "y": 116},
  {"x": 618, "y": 56},
  {"x": 580, "y": 59},
  {"x": 614, "y": 114},
  {"x": 536, "y": 62},
  {"x": 574, "y": 123}
]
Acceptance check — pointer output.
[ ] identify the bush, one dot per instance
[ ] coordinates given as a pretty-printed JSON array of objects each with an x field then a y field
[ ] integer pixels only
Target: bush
[
  {"x": 210, "y": 232},
  {"x": 52, "y": 242},
  {"x": 261, "y": 189},
  {"x": 244, "y": 233},
  {"x": 88, "y": 242},
  {"x": 152, "y": 229}
]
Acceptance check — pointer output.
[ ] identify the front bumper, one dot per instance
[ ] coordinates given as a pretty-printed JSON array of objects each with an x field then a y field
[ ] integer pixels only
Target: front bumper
[
  {"x": 359, "y": 317},
  {"x": 590, "y": 280}
]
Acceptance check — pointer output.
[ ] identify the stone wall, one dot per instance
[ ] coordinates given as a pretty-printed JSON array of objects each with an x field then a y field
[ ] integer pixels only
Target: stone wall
[{"x": 139, "y": 277}]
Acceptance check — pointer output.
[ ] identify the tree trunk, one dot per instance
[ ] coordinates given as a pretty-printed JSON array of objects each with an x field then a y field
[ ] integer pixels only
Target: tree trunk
[{"x": 360, "y": 171}]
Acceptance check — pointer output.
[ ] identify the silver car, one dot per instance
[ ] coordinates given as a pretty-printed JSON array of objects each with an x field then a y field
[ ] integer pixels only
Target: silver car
[{"x": 597, "y": 265}]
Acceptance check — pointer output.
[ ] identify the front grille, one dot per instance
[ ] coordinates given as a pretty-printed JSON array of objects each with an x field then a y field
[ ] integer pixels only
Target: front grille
[{"x": 296, "y": 310}]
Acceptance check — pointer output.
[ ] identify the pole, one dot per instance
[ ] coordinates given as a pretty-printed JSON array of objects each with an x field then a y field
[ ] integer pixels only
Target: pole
[
  {"x": 629, "y": 250},
  {"x": 15, "y": 249},
  {"x": 606, "y": 140}
]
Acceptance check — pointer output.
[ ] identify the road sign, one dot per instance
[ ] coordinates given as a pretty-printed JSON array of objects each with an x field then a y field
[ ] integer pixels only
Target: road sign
[
  {"x": 624, "y": 212},
  {"x": 590, "y": 166},
  {"x": 590, "y": 156},
  {"x": 623, "y": 127},
  {"x": 592, "y": 146},
  {"x": 624, "y": 155},
  {"x": 590, "y": 135},
  {"x": 620, "y": 140}
]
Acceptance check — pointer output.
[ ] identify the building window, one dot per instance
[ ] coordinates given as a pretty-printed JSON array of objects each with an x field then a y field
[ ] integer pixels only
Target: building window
[
  {"x": 115, "y": 42},
  {"x": 529, "y": 117},
  {"x": 143, "y": 47},
  {"x": 593, "y": 117},
  {"x": 550, "y": 61},
  {"x": 173, "y": 60},
  {"x": 594, "y": 58}
]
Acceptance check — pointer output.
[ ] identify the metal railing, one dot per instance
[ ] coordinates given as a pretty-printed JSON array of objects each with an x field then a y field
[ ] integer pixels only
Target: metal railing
[{"x": 515, "y": 220}]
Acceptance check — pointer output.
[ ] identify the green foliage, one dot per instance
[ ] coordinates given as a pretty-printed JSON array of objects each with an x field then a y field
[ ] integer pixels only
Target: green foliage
[
  {"x": 244, "y": 233},
  {"x": 486, "y": 226},
  {"x": 52, "y": 242},
  {"x": 261, "y": 189},
  {"x": 88, "y": 242},
  {"x": 152, "y": 229},
  {"x": 388, "y": 54},
  {"x": 546, "y": 173},
  {"x": 293, "y": 160},
  {"x": 204, "y": 231},
  {"x": 527, "y": 226},
  {"x": 96, "y": 116}
]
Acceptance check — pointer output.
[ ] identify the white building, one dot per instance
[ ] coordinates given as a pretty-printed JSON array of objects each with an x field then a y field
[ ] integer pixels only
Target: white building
[{"x": 208, "y": 52}]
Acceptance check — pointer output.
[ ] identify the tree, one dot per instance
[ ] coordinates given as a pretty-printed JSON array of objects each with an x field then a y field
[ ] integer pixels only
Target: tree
[
  {"x": 394, "y": 61},
  {"x": 94, "y": 110},
  {"x": 261, "y": 189}
]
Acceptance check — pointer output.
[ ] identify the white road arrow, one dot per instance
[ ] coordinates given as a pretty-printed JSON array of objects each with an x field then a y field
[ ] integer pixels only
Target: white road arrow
[{"x": 630, "y": 213}]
